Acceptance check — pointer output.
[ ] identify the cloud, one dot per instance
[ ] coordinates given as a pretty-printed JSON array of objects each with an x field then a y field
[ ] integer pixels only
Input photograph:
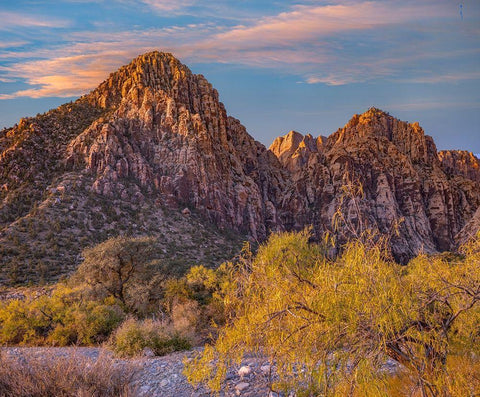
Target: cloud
[
  {"x": 76, "y": 69},
  {"x": 306, "y": 23},
  {"x": 64, "y": 76},
  {"x": 15, "y": 19},
  {"x": 444, "y": 77},
  {"x": 314, "y": 40},
  {"x": 333, "y": 44},
  {"x": 169, "y": 5},
  {"x": 12, "y": 44},
  {"x": 432, "y": 105}
]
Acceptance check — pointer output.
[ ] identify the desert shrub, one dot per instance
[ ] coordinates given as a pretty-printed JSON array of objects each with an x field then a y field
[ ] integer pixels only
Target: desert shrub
[
  {"x": 62, "y": 318},
  {"x": 195, "y": 302},
  {"x": 133, "y": 336},
  {"x": 75, "y": 376},
  {"x": 127, "y": 269},
  {"x": 185, "y": 316},
  {"x": 329, "y": 325}
]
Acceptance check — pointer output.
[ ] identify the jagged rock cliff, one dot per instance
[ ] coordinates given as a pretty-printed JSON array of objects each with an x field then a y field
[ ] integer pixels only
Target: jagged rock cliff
[
  {"x": 170, "y": 134},
  {"x": 460, "y": 162},
  {"x": 154, "y": 139},
  {"x": 404, "y": 183}
]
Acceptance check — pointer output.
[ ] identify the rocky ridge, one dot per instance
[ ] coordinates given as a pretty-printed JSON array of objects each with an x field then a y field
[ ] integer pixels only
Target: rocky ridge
[
  {"x": 153, "y": 151},
  {"x": 405, "y": 184},
  {"x": 460, "y": 162}
]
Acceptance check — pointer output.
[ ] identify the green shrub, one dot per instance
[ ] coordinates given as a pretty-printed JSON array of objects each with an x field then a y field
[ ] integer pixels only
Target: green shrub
[
  {"x": 133, "y": 336},
  {"x": 195, "y": 302},
  {"x": 65, "y": 317}
]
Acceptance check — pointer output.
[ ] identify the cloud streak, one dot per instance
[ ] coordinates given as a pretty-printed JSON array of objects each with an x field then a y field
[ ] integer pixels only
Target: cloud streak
[
  {"x": 320, "y": 43},
  {"x": 15, "y": 19},
  {"x": 169, "y": 5}
]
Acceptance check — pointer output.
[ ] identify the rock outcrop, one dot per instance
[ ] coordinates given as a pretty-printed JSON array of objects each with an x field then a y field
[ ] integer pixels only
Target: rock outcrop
[
  {"x": 170, "y": 134},
  {"x": 153, "y": 151},
  {"x": 460, "y": 162},
  {"x": 405, "y": 190},
  {"x": 470, "y": 230}
]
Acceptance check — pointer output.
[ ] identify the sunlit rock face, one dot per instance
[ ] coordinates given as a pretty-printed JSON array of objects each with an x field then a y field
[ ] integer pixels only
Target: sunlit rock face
[
  {"x": 169, "y": 132},
  {"x": 460, "y": 162},
  {"x": 405, "y": 185},
  {"x": 153, "y": 140}
]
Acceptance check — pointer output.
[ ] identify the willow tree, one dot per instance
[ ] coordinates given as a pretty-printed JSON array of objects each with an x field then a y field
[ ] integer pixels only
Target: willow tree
[{"x": 327, "y": 327}]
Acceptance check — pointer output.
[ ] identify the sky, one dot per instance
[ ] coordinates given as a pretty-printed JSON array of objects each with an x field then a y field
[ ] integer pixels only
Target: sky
[{"x": 278, "y": 65}]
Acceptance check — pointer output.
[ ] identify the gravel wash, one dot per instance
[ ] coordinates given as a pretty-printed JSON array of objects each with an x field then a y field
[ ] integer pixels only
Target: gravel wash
[{"x": 162, "y": 376}]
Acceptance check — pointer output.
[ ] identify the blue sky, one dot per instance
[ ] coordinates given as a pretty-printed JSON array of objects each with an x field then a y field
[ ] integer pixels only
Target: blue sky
[{"x": 278, "y": 65}]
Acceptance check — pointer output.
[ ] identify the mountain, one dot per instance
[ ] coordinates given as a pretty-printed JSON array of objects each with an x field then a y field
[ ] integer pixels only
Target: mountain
[
  {"x": 149, "y": 142},
  {"x": 403, "y": 179},
  {"x": 153, "y": 151}
]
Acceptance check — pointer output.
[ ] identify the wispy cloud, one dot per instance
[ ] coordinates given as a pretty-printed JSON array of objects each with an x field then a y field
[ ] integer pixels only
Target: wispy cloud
[
  {"x": 450, "y": 77},
  {"x": 75, "y": 69},
  {"x": 169, "y": 5},
  {"x": 16, "y": 19},
  {"x": 306, "y": 37},
  {"x": 306, "y": 23},
  {"x": 306, "y": 40},
  {"x": 64, "y": 76},
  {"x": 12, "y": 44}
]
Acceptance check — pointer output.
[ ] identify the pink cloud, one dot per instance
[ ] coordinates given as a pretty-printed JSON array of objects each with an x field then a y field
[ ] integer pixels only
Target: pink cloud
[
  {"x": 299, "y": 40},
  {"x": 306, "y": 23}
]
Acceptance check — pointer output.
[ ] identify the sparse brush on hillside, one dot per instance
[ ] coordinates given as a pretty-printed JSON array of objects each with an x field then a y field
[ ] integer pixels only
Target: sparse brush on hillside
[{"x": 328, "y": 326}]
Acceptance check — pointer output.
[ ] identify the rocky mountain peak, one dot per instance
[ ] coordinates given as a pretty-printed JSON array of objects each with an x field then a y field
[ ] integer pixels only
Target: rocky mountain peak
[
  {"x": 380, "y": 126},
  {"x": 460, "y": 162},
  {"x": 286, "y": 145},
  {"x": 294, "y": 149},
  {"x": 373, "y": 122},
  {"x": 153, "y": 72},
  {"x": 169, "y": 133}
]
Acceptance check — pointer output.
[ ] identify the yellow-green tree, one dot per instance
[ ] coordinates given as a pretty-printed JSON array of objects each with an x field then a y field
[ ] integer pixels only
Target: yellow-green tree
[
  {"x": 64, "y": 317},
  {"x": 328, "y": 326}
]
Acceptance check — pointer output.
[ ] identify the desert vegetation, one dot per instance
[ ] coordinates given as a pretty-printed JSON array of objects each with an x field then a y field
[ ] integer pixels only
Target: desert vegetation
[
  {"x": 326, "y": 325},
  {"x": 65, "y": 377},
  {"x": 122, "y": 295}
]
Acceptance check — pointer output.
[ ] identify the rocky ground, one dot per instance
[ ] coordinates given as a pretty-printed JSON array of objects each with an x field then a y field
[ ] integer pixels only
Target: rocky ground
[{"x": 162, "y": 376}]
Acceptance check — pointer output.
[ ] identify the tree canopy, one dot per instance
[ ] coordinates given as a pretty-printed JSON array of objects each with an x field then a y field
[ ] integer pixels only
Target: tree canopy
[{"x": 126, "y": 268}]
